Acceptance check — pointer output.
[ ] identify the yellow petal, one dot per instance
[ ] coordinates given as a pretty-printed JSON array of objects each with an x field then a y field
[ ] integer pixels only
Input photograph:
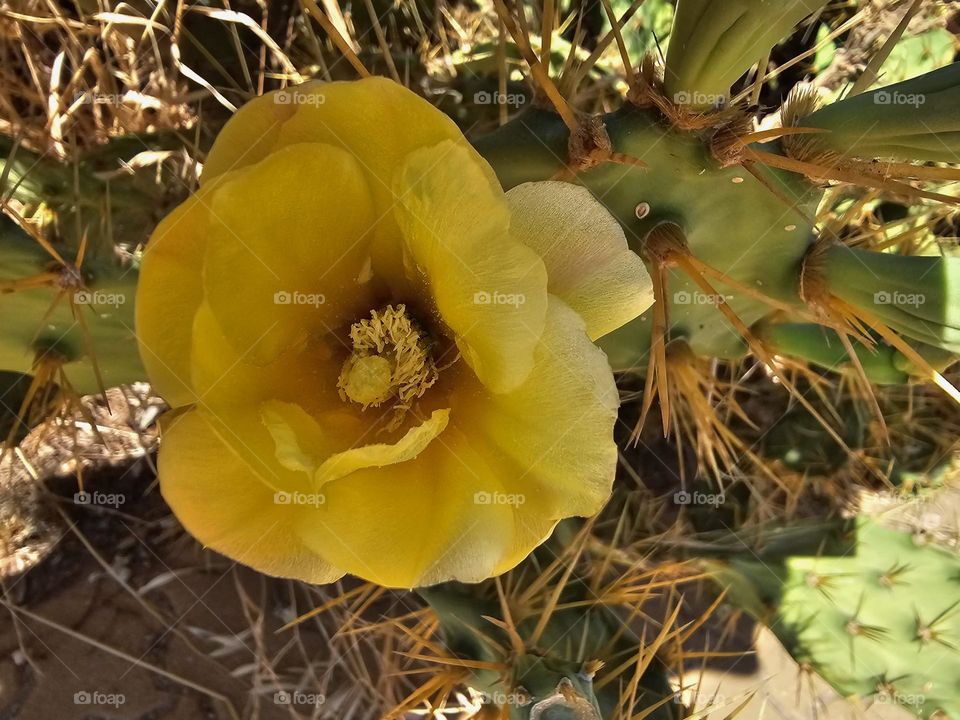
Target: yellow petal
[
  {"x": 169, "y": 291},
  {"x": 414, "y": 523},
  {"x": 379, "y": 122},
  {"x": 300, "y": 443},
  {"x": 283, "y": 443},
  {"x": 552, "y": 437},
  {"x": 226, "y": 507},
  {"x": 489, "y": 288},
  {"x": 375, "y": 119},
  {"x": 248, "y": 137},
  {"x": 491, "y": 487},
  {"x": 222, "y": 376},
  {"x": 286, "y": 249},
  {"x": 413, "y": 442},
  {"x": 588, "y": 262}
]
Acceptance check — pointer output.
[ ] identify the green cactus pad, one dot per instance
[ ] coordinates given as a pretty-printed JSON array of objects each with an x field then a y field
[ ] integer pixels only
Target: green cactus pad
[
  {"x": 822, "y": 346},
  {"x": 550, "y": 680},
  {"x": 731, "y": 220},
  {"x": 880, "y": 622},
  {"x": 914, "y": 295},
  {"x": 30, "y": 329}
]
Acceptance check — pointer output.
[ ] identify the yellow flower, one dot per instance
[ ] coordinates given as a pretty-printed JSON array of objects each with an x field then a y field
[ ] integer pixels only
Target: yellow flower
[{"x": 380, "y": 362}]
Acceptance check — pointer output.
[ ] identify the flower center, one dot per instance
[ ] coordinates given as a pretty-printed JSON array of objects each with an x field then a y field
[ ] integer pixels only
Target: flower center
[{"x": 390, "y": 361}]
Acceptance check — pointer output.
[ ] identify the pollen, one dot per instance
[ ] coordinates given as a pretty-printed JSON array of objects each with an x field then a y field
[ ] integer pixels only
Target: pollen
[{"x": 390, "y": 361}]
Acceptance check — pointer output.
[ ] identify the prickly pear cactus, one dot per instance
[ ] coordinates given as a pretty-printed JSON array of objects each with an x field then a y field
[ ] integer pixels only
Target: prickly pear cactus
[
  {"x": 80, "y": 320},
  {"x": 881, "y": 622},
  {"x": 69, "y": 270},
  {"x": 748, "y": 248}
]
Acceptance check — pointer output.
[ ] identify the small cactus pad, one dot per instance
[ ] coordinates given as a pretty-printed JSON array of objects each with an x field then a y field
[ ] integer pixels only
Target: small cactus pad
[{"x": 882, "y": 622}]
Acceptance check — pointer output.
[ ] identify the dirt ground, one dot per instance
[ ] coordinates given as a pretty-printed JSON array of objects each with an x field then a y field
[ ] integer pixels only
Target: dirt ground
[{"x": 128, "y": 617}]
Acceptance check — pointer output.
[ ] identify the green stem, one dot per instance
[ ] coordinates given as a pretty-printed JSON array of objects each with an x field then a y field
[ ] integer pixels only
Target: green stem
[
  {"x": 714, "y": 42},
  {"x": 915, "y": 295},
  {"x": 822, "y": 346},
  {"x": 917, "y": 119}
]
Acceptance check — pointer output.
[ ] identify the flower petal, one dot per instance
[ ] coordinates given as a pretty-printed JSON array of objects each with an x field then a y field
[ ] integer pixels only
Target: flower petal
[
  {"x": 378, "y": 121},
  {"x": 493, "y": 485},
  {"x": 413, "y": 442},
  {"x": 490, "y": 289},
  {"x": 413, "y": 523},
  {"x": 300, "y": 442},
  {"x": 375, "y": 119},
  {"x": 222, "y": 376},
  {"x": 286, "y": 249},
  {"x": 169, "y": 291},
  {"x": 248, "y": 137},
  {"x": 225, "y": 506},
  {"x": 566, "y": 465},
  {"x": 589, "y": 264}
]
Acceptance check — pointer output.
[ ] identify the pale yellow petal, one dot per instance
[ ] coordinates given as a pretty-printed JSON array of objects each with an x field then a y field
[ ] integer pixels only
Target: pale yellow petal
[
  {"x": 489, "y": 289},
  {"x": 223, "y": 504},
  {"x": 588, "y": 262}
]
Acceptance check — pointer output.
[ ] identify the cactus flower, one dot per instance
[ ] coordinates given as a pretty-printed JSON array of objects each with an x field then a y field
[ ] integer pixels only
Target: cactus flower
[{"x": 379, "y": 362}]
